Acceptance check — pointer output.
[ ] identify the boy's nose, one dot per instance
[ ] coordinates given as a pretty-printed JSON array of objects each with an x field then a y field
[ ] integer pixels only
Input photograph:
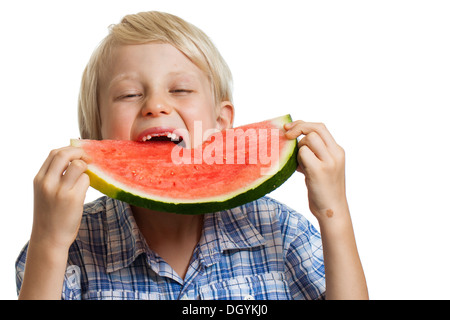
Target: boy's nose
[{"x": 155, "y": 107}]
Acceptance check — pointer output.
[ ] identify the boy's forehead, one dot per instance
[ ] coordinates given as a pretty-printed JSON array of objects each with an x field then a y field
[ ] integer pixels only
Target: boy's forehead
[
  {"x": 128, "y": 62},
  {"x": 162, "y": 53}
]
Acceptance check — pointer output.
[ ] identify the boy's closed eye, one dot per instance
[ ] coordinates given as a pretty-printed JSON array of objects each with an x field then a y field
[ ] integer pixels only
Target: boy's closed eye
[
  {"x": 128, "y": 96},
  {"x": 134, "y": 95},
  {"x": 181, "y": 91}
]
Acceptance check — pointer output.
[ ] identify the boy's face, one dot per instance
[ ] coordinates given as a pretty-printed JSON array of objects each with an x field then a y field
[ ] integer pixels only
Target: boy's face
[{"x": 152, "y": 89}]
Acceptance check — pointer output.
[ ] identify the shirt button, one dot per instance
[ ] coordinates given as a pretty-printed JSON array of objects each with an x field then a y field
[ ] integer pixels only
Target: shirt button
[{"x": 249, "y": 297}]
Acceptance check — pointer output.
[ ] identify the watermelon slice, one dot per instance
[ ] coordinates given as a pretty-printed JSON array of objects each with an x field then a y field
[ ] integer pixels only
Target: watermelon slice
[{"x": 232, "y": 167}]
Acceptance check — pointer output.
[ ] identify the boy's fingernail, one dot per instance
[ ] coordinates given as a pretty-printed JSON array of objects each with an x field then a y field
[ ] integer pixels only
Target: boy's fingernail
[{"x": 288, "y": 125}]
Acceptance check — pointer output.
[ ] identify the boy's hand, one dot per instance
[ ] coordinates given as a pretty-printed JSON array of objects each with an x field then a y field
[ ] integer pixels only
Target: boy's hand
[
  {"x": 59, "y": 192},
  {"x": 322, "y": 161}
]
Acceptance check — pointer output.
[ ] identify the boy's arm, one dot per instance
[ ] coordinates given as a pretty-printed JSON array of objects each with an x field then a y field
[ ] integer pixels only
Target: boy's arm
[
  {"x": 322, "y": 161},
  {"x": 344, "y": 275},
  {"x": 44, "y": 273},
  {"x": 59, "y": 192}
]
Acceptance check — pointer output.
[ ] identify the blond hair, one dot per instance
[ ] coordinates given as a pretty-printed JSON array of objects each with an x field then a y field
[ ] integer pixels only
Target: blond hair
[{"x": 146, "y": 27}]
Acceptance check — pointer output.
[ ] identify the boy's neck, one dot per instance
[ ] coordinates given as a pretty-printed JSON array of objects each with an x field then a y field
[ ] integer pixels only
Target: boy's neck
[
  {"x": 172, "y": 236},
  {"x": 168, "y": 226}
]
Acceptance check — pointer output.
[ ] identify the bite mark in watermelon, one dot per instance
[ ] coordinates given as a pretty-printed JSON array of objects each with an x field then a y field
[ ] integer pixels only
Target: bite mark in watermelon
[{"x": 145, "y": 174}]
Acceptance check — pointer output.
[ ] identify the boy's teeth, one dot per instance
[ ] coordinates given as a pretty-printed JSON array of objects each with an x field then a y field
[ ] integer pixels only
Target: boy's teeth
[{"x": 170, "y": 135}]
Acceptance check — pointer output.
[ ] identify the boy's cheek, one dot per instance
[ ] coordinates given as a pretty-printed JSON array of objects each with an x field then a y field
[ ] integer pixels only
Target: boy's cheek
[{"x": 116, "y": 130}]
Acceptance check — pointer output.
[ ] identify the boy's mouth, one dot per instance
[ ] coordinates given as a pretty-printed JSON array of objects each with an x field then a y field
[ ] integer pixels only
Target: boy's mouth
[
  {"x": 160, "y": 134},
  {"x": 164, "y": 136}
]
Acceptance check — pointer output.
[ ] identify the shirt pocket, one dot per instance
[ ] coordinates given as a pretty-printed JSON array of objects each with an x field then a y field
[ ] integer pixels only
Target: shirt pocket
[{"x": 267, "y": 286}]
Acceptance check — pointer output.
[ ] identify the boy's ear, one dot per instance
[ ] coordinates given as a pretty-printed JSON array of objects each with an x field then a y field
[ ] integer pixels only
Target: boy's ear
[{"x": 225, "y": 116}]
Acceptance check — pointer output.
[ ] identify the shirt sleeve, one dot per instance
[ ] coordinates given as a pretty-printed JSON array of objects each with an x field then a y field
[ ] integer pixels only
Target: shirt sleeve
[
  {"x": 20, "y": 267},
  {"x": 304, "y": 262}
]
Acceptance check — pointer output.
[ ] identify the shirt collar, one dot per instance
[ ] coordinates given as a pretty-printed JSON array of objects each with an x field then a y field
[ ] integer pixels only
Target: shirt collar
[
  {"x": 227, "y": 230},
  {"x": 224, "y": 230}
]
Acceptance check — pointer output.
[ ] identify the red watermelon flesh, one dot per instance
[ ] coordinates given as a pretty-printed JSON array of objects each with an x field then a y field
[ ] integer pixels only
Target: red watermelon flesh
[{"x": 234, "y": 166}]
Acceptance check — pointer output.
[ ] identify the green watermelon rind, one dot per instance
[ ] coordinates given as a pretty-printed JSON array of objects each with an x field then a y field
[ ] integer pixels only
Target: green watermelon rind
[{"x": 288, "y": 167}]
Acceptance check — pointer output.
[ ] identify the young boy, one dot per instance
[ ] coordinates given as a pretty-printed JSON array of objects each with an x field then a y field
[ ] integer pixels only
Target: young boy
[{"x": 155, "y": 71}]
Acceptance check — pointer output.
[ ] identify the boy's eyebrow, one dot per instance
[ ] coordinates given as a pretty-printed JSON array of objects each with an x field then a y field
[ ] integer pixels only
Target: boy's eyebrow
[
  {"x": 188, "y": 75},
  {"x": 122, "y": 77},
  {"x": 133, "y": 76}
]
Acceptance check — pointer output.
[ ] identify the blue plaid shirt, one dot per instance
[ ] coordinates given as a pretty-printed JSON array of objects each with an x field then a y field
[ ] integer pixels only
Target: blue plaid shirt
[{"x": 261, "y": 250}]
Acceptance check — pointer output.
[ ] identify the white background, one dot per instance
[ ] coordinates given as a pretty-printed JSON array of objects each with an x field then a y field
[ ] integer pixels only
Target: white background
[{"x": 377, "y": 73}]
